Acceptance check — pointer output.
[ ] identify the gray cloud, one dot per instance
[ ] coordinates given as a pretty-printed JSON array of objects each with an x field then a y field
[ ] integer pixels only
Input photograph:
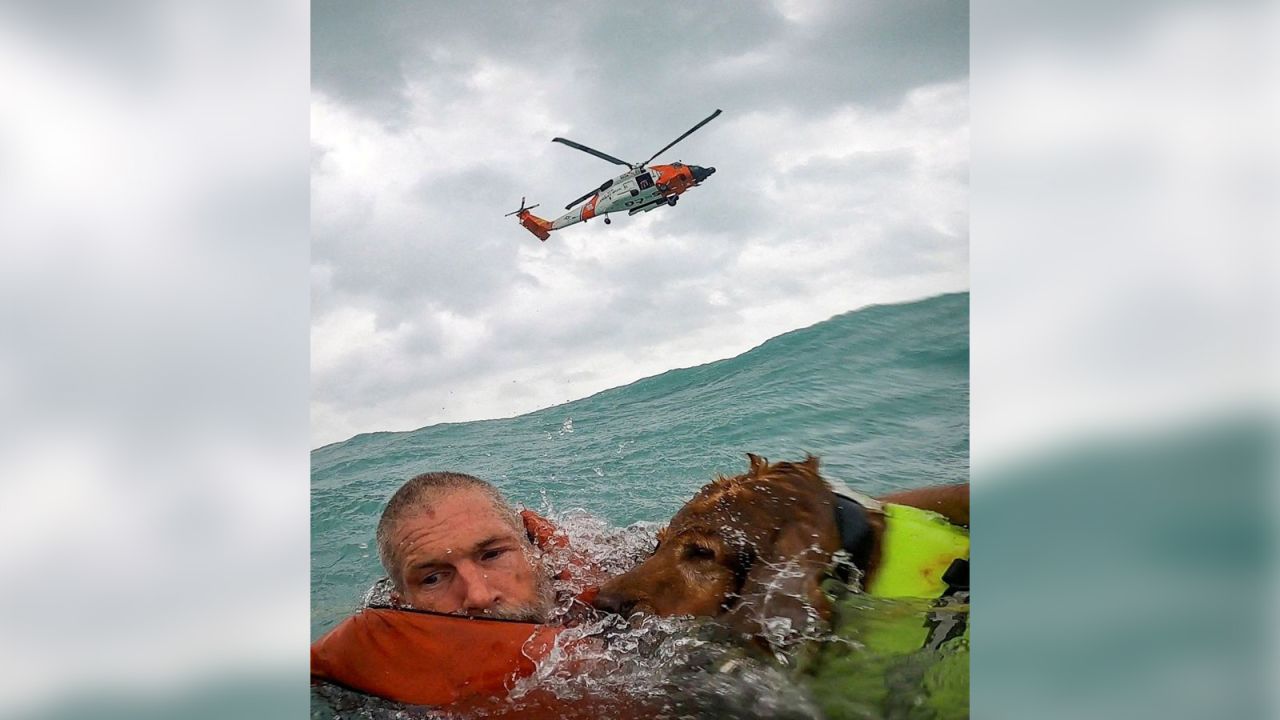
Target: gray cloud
[{"x": 630, "y": 63}]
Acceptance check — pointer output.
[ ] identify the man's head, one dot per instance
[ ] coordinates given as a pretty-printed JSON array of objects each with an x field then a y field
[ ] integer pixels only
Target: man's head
[{"x": 451, "y": 543}]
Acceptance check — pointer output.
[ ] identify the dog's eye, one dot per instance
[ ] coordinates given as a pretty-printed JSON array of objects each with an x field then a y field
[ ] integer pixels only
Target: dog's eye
[{"x": 699, "y": 552}]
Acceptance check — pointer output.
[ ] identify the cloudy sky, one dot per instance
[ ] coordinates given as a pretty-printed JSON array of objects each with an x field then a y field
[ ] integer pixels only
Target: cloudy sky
[{"x": 842, "y": 158}]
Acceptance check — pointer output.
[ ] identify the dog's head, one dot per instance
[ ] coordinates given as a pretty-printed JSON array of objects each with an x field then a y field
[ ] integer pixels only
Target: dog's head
[{"x": 750, "y": 548}]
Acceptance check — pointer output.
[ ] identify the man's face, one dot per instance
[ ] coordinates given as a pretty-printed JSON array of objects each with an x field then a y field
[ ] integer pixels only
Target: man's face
[{"x": 460, "y": 556}]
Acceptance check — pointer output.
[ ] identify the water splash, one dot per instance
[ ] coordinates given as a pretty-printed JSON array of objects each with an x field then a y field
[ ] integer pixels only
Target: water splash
[
  {"x": 670, "y": 667},
  {"x": 378, "y": 594}
]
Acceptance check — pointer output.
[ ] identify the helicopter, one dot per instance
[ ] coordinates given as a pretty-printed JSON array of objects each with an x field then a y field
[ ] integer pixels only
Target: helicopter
[{"x": 641, "y": 188}]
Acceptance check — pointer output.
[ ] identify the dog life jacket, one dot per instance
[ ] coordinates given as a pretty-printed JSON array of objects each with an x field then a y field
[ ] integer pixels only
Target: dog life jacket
[
  {"x": 428, "y": 658},
  {"x": 921, "y": 553}
]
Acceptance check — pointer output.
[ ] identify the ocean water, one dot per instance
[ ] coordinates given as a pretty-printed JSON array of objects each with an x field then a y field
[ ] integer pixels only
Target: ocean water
[{"x": 880, "y": 394}]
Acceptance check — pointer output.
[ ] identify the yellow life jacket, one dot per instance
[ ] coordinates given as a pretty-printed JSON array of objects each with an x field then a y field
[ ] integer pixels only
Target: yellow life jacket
[{"x": 916, "y": 550}]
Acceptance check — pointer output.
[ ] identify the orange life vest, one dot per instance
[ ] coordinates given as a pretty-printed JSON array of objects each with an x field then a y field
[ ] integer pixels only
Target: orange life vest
[{"x": 425, "y": 658}]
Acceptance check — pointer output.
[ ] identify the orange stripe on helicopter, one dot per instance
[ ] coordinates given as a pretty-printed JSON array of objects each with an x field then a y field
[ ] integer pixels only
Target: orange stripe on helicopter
[{"x": 589, "y": 210}]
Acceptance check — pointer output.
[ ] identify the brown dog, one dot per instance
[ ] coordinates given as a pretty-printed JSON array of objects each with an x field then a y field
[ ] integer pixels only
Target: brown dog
[{"x": 755, "y": 547}]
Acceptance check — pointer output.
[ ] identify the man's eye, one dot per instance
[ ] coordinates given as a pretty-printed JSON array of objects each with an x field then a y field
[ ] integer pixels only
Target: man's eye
[
  {"x": 494, "y": 554},
  {"x": 432, "y": 579}
]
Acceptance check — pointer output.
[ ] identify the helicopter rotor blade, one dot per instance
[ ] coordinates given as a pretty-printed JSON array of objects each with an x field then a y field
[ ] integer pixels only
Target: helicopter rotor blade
[
  {"x": 591, "y": 151},
  {"x": 584, "y": 197},
  {"x": 689, "y": 132}
]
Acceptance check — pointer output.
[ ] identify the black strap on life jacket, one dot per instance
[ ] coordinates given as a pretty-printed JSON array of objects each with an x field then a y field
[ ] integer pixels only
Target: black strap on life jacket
[
  {"x": 957, "y": 576},
  {"x": 856, "y": 537}
]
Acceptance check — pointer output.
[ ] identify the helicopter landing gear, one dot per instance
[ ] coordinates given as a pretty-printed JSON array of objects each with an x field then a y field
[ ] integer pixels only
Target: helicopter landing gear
[
  {"x": 672, "y": 200},
  {"x": 607, "y": 221}
]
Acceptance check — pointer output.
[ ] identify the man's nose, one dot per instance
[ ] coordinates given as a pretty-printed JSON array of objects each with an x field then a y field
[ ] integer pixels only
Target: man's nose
[{"x": 479, "y": 593}]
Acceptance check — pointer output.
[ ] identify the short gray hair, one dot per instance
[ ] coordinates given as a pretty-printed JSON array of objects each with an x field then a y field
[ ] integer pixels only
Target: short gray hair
[{"x": 419, "y": 492}]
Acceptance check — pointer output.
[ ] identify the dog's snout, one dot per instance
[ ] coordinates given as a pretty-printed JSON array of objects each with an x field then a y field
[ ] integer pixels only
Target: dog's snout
[{"x": 614, "y": 602}]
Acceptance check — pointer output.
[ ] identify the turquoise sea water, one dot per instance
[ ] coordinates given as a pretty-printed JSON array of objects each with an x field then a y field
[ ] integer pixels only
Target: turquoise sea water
[{"x": 880, "y": 394}]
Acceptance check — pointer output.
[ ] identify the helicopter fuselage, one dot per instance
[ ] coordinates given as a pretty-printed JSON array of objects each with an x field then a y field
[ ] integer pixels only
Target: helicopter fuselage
[
  {"x": 637, "y": 190},
  {"x": 643, "y": 187}
]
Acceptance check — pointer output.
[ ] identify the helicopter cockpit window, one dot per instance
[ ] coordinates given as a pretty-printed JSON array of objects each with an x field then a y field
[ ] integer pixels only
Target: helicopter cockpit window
[{"x": 644, "y": 181}]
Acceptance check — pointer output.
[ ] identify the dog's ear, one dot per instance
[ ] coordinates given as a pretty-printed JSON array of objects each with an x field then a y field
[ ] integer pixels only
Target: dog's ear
[
  {"x": 783, "y": 583},
  {"x": 758, "y": 464},
  {"x": 810, "y": 463}
]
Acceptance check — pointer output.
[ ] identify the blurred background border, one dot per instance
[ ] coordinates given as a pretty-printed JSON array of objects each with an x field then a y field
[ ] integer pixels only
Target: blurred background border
[{"x": 153, "y": 376}]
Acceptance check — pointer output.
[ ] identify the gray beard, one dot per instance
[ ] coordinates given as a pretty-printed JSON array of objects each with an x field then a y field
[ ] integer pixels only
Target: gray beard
[{"x": 537, "y": 611}]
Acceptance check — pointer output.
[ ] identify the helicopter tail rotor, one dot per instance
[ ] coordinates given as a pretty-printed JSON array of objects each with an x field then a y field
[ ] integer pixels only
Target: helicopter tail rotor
[
  {"x": 522, "y": 208},
  {"x": 534, "y": 224}
]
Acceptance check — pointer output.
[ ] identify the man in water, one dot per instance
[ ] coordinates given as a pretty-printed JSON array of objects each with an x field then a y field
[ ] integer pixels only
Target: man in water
[
  {"x": 451, "y": 543},
  {"x": 453, "y": 547}
]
